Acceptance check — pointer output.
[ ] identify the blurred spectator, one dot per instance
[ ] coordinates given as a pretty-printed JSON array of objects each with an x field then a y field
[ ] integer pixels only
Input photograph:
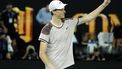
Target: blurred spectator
[
  {"x": 3, "y": 44},
  {"x": 96, "y": 56},
  {"x": 105, "y": 40},
  {"x": 92, "y": 43},
  {"x": 6, "y": 50},
  {"x": 43, "y": 16},
  {"x": 30, "y": 53},
  {"x": 118, "y": 35},
  {"x": 85, "y": 39},
  {"x": 8, "y": 21},
  {"x": 10, "y": 50}
]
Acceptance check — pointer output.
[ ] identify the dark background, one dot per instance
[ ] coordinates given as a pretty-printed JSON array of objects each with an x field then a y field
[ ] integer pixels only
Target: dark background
[{"x": 73, "y": 7}]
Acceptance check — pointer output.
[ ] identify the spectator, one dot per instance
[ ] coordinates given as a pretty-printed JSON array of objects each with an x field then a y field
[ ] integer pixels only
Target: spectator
[
  {"x": 43, "y": 16},
  {"x": 96, "y": 56},
  {"x": 8, "y": 21},
  {"x": 117, "y": 34},
  {"x": 30, "y": 53},
  {"x": 92, "y": 43},
  {"x": 6, "y": 49}
]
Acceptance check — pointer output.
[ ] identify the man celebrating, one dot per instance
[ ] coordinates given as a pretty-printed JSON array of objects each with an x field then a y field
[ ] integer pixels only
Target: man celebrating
[{"x": 56, "y": 37}]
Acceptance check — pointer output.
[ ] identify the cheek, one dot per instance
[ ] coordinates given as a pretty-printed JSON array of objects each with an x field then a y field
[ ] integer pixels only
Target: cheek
[{"x": 60, "y": 14}]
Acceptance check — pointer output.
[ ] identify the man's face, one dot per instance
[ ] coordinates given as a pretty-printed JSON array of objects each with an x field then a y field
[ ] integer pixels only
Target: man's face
[{"x": 60, "y": 13}]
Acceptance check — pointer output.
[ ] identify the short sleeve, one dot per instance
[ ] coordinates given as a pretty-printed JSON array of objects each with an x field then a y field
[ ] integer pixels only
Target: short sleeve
[
  {"x": 43, "y": 37},
  {"x": 45, "y": 33}
]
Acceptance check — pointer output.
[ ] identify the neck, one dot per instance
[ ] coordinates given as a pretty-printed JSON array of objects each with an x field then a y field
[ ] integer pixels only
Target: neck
[{"x": 56, "y": 21}]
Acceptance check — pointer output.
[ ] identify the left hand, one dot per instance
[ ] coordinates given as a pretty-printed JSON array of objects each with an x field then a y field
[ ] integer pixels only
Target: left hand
[{"x": 106, "y": 2}]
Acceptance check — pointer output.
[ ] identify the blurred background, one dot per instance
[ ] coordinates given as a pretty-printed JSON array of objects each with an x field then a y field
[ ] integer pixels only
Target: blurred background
[{"x": 100, "y": 40}]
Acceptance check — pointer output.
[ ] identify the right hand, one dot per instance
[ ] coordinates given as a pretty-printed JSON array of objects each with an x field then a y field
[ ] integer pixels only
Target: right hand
[{"x": 51, "y": 66}]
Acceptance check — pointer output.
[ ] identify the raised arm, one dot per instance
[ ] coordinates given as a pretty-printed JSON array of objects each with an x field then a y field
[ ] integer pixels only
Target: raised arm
[{"x": 94, "y": 13}]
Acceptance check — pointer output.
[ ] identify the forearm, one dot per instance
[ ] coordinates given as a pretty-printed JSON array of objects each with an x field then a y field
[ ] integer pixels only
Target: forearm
[
  {"x": 43, "y": 55},
  {"x": 44, "y": 58},
  {"x": 94, "y": 13}
]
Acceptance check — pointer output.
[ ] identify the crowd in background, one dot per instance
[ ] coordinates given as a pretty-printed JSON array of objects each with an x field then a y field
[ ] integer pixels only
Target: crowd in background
[
  {"x": 105, "y": 46},
  {"x": 12, "y": 47}
]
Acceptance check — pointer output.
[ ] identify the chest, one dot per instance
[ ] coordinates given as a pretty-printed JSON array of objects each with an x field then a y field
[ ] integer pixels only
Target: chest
[{"x": 60, "y": 34}]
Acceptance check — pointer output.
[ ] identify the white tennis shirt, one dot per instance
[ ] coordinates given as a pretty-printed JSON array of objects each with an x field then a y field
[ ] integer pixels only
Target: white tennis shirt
[{"x": 59, "y": 49}]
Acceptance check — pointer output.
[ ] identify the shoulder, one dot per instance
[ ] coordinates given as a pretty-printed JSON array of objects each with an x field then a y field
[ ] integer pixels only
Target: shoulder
[{"x": 47, "y": 28}]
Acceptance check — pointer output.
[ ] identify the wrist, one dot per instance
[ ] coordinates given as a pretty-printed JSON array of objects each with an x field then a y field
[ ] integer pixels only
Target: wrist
[{"x": 103, "y": 5}]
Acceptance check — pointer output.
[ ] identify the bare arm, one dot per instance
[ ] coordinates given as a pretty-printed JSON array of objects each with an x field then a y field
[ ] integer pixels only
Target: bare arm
[
  {"x": 94, "y": 13},
  {"x": 43, "y": 55}
]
